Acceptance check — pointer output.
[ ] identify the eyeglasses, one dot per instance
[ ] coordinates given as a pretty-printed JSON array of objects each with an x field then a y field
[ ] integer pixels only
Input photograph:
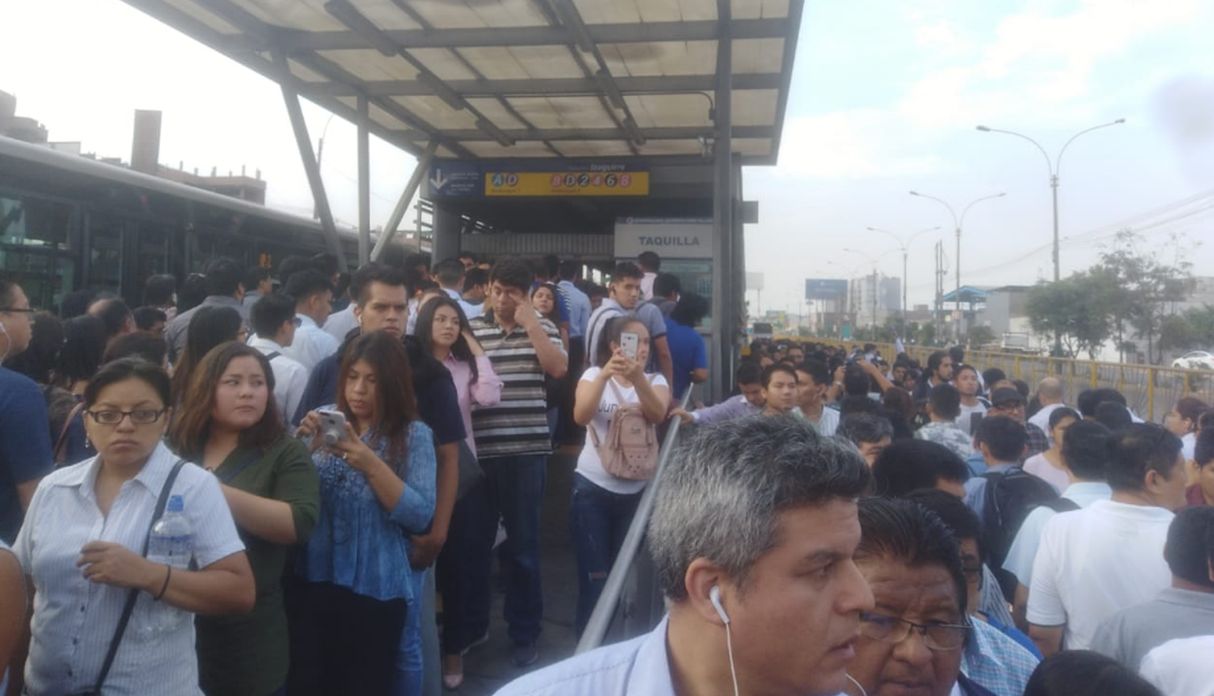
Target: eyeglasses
[
  {"x": 140, "y": 416},
  {"x": 891, "y": 629},
  {"x": 18, "y": 310}
]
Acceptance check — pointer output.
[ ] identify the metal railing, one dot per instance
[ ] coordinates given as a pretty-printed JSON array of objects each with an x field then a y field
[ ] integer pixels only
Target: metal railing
[
  {"x": 631, "y": 602},
  {"x": 1150, "y": 390}
]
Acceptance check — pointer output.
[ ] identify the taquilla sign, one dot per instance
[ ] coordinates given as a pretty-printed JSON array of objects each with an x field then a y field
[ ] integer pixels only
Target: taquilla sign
[{"x": 668, "y": 238}]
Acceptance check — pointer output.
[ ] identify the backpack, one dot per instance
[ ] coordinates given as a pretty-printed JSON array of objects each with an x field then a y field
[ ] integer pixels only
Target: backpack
[
  {"x": 1009, "y": 497},
  {"x": 630, "y": 450}
]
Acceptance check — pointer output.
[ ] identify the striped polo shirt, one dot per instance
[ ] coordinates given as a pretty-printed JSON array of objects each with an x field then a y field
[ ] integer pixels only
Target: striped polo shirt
[{"x": 518, "y": 424}]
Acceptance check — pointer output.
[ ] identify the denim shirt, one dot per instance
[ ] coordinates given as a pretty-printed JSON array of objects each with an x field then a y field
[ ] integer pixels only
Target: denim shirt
[{"x": 359, "y": 545}]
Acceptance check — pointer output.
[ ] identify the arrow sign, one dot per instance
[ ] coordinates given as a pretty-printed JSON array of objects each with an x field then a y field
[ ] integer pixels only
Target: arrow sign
[{"x": 438, "y": 181}]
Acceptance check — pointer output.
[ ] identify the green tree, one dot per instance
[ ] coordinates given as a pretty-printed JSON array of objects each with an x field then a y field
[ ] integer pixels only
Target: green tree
[
  {"x": 980, "y": 335},
  {"x": 1140, "y": 287},
  {"x": 1075, "y": 310}
]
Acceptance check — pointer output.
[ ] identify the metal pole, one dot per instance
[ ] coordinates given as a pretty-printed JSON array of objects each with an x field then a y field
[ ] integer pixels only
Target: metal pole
[
  {"x": 364, "y": 181},
  {"x": 402, "y": 204},
  {"x": 722, "y": 203},
  {"x": 904, "y": 271}
]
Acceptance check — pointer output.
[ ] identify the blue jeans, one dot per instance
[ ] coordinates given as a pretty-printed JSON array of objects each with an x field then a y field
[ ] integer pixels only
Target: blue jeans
[
  {"x": 599, "y": 520},
  {"x": 408, "y": 680},
  {"x": 513, "y": 488}
]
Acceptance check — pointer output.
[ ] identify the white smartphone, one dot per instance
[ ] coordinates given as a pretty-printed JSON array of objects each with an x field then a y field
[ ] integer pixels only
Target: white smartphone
[
  {"x": 629, "y": 342},
  {"x": 332, "y": 426}
]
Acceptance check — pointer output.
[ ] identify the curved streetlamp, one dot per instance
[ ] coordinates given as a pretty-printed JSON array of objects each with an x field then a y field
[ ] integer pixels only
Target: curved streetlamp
[{"x": 903, "y": 245}]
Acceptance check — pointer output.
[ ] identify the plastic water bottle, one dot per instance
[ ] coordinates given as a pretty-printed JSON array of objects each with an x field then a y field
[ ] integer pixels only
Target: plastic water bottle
[{"x": 171, "y": 543}]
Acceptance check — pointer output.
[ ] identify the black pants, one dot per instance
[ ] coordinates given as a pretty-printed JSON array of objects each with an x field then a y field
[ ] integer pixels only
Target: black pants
[{"x": 342, "y": 642}]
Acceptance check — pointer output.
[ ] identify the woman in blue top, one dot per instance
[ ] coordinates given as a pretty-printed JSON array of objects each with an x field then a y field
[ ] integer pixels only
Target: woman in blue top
[{"x": 376, "y": 487}]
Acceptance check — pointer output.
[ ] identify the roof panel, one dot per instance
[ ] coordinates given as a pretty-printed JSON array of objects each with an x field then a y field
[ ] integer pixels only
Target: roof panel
[
  {"x": 369, "y": 65},
  {"x": 615, "y": 12},
  {"x": 661, "y": 58},
  {"x": 523, "y": 149},
  {"x": 496, "y": 112},
  {"x": 754, "y": 107},
  {"x": 382, "y": 117},
  {"x": 755, "y": 9},
  {"x": 495, "y": 62},
  {"x": 384, "y": 13},
  {"x": 691, "y": 10},
  {"x": 443, "y": 63},
  {"x": 306, "y": 15},
  {"x": 563, "y": 112},
  {"x": 546, "y": 61},
  {"x": 594, "y": 148},
  {"x": 302, "y": 71},
  {"x": 655, "y": 110},
  {"x": 757, "y": 55},
  {"x": 437, "y": 113},
  {"x": 457, "y": 14},
  {"x": 202, "y": 15},
  {"x": 671, "y": 147},
  {"x": 752, "y": 147}
]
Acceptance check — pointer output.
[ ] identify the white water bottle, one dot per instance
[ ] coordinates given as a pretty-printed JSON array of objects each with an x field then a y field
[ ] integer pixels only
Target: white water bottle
[{"x": 171, "y": 543}]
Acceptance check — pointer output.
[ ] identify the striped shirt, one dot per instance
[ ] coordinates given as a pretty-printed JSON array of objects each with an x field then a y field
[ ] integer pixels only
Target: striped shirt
[
  {"x": 518, "y": 424},
  {"x": 74, "y": 619}
]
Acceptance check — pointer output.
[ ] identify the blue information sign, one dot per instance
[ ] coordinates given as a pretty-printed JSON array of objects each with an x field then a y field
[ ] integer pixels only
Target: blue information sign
[{"x": 825, "y": 288}]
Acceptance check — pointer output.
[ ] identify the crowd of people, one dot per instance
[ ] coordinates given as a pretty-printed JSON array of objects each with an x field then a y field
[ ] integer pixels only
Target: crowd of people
[{"x": 348, "y": 450}]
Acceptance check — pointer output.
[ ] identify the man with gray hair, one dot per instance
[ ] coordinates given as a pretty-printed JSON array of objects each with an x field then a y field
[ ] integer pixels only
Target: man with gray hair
[
  {"x": 1049, "y": 394},
  {"x": 753, "y": 530}
]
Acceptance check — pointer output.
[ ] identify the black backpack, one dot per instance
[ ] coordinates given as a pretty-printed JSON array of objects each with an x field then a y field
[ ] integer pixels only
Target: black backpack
[{"x": 1010, "y": 496}]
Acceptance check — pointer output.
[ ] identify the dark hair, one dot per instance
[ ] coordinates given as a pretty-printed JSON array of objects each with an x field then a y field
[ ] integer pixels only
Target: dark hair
[
  {"x": 193, "y": 292},
  {"x": 424, "y": 331},
  {"x": 612, "y": 330},
  {"x": 137, "y": 344},
  {"x": 84, "y": 340},
  {"x": 1137, "y": 449},
  {"x": 864, "y": 427},
  {"x": 666, "y": 283},
  {"x": 554, "y": 315},
  {"x": 448, "y": 272},
  {"x": 907, "y": 532},
  {"x": 223, "y": 276},
  {"x": 1112, "y": 415},
  {"x": 147, "y": 317},
  {"x": 595, "y": 290},
  {"x": 512, "y": 273},
  {"x": 690, "y": 309},
  {"x": 210, "y": 326},
  {"x": 934, "y": 360},
  {"x": 748, "y": 372},
  {"x": 626, "y": 269},
  {"x": 394, "y": 390},
  {"x": 158, "y": 290},
  {"x": 991, "y": 375},
  {"x": 419, "y": 260},
  {"x": 325, "y": 263},
  {"x": 253, "y": 276},
  {"x": 1058, "y": 414},
  {"x": 1191, "y": 408},
  {"x": 907, "y": 465},
  {"x": 551, "y": 265},
  {"x": 191, "y": 426},
  {"x": 1110, "y": 394},
  {"x": 1206, "y": 420},
  {"x": 114, "y": 313},
  {"x": 962, "y": 368},
  {"x": 360, "y": 283},
  {"x": 474, "y": 277},
  {"x": 945, "y": 401},
  {"x": 771, "y": 370},
  {"x": 816, "y": 370},
  {"x": 957, "y": 353},
  {"x": 38, "y": 361},
  {"x": 128, "y": 368},
  {"x": 650, "y": 261},
  {"x": 960, "y": 519},
  {"x": 306, "y": 283},
  {"x": 1086, "y": 449},
  {"x": 1005, "y": 437},
  {"x": 856, "y": 404},
  {"x": 269, "y": 313},
  {"x": 1187, "y": 549},
  {"x": 899, "y": 404},
  {"x": 856, "y": 382},
  {"x": 74, "y": 304},
  {"x": 569, "y": 269},
  {"x": 1086, "y": 402},
  {"x": 1085, "y": 673},
  {"x": 292, "y": 264},
  {"x": 1203, "y": 451}
]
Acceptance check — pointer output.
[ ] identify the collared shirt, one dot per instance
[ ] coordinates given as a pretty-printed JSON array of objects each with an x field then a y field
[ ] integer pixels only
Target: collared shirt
[
  {"x": 176, "y": 330},
  {"x": 340, "y": 324},
  {"x": 1038, "y": 442},
  {"x": 579, "y": 308},
  {"x": 1181, "y": 667},
  {"x": 518, "y": 424},
  {"x": 733, "y": 407},
  {"x": 311, "y": 345},
  {"x": 995, "y": 661},
  {"x": 1175, "y": 613},
  {"x": 290, "y": 377},
  {"x": 486, "y": 390},
  {"x": 1023, "y": 551},
  {"x": 25, "y": 444},
  {"x": 74, "y": 619},
  {"x": 948, "y": 434},
  {"x": 827, "y": 423}
]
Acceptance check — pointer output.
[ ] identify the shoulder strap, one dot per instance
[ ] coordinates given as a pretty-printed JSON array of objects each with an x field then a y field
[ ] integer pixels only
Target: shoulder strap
[
  {"x": 272, "y": 355},
  {"x": 67, "y": 425},
  {"x": 242, "y": 462},
  {"x": 133, "y": 594}
]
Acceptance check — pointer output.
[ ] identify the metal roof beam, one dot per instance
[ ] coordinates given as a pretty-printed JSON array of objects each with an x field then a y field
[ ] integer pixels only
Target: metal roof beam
[
  {"x": 639, "y": 32},
  {"x": 558, "y": 134},
  {"x": 553, "y": 87}
]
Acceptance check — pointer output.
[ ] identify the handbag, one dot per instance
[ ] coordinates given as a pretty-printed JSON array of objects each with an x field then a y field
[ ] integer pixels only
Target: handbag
[{"x": 133, "y": 594}]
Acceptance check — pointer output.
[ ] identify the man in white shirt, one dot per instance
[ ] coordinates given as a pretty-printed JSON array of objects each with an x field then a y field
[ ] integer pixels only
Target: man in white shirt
[
  {"x": 1049, "y": 393},
  {"x": 1099, "y": 560},
  {"x": 625, "y": 289},
  {"x": 650, "y": 264},
  {"x": 313, "y": 297},
  {"x": 813, "y": 379},
  {"x": 714, "y": 534},
  {"x": 1181, "y": 667},
  {"x": 273, "y": 318},
  {"x": 449, "y": 274}
]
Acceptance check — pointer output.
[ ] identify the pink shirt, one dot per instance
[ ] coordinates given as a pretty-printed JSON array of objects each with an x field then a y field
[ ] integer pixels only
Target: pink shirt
[{"x": 485, "y": 391}]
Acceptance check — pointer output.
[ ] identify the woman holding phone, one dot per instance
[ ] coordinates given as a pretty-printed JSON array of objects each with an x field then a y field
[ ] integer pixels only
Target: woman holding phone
[
  {"x": 603, "y": 503},
  {"x": 376, "y": 463}
]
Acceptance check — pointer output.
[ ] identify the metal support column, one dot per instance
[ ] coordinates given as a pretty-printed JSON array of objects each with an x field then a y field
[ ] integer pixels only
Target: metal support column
[
  {"x": 300, "y": 128},
  {"x": 446, "y": 241},
  {"x": 364, "y": 181},
  {"x": 722, "y": 300},
  {"x": 402, "y": 204}
]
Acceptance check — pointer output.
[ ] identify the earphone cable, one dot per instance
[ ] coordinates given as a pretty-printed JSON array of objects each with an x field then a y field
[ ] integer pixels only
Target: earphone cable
[{"x": 733, "y": 673}]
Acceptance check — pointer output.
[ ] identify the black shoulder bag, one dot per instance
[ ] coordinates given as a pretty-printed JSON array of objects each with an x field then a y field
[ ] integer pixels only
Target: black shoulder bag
[{"x": 133, "y": 594}]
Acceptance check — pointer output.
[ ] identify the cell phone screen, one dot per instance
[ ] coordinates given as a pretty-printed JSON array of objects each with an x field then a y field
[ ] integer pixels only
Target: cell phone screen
[{"x": 628, "y": 343}]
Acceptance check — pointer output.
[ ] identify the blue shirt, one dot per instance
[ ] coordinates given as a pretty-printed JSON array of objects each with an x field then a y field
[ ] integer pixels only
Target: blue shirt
[
  {"x": 687, "y": 353},
  {"x": 995, "y": 661},
  {"x": 25, "y": 445},
  {"x": 579, "y": 308},
  {"x": 359, "y": 545}
]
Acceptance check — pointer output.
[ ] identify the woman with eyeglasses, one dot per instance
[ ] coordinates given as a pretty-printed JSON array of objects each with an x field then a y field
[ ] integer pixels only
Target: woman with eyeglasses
[
  {"x": 83, "y": 547},
  {"x": 377, "y": 487},
  {"x": 227, "y": 422},
  {"x": 209, "y": 327}
]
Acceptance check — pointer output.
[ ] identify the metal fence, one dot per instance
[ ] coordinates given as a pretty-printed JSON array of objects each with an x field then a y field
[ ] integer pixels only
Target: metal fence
[{"x": 1150, "y": 391}]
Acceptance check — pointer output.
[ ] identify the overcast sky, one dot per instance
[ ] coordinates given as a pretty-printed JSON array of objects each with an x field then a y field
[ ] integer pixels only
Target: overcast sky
[{"x": 885, "y": 98}]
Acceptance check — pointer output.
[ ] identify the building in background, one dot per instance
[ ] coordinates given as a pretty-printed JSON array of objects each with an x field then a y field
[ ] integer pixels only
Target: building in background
[{"x": 872, "y": 299}]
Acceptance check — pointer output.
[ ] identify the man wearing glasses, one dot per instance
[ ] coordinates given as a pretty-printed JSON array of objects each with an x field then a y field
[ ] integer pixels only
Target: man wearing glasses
[
  {"x": 912, "y": 641},
  {"x": 25, "y": 440}
]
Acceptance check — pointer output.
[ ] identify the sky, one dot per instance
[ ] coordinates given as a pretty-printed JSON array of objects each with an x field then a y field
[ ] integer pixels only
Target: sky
[{"x": 885, "y": 99}]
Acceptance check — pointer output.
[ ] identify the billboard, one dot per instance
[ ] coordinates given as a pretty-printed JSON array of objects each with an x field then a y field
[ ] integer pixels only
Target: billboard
[
  {"x": 523, "y": 178},
  {"x": 825, "y": 288}
]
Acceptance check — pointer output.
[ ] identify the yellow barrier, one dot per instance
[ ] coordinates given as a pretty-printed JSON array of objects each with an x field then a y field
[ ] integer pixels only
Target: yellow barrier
[{"x": 1150, "y": 391}]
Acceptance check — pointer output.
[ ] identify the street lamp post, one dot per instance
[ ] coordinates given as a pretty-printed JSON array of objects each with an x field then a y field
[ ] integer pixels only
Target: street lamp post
[
  {"x": 958, "y": 223},
  {"x": 903, "y": 245}
]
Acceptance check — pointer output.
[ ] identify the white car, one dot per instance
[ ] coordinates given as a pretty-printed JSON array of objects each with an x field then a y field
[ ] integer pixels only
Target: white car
[{"x": 1195, "y": 360}]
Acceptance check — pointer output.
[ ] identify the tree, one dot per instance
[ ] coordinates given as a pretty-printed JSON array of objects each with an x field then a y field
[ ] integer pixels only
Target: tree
[
  {"x": 1140, "y": 287},
  {"x": 1075, "y": 310}
]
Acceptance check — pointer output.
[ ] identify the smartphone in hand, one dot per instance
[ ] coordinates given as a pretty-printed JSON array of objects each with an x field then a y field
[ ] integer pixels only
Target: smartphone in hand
[
  {"x": 332, "y": 426},
  {"x": 629, "y": 341}
]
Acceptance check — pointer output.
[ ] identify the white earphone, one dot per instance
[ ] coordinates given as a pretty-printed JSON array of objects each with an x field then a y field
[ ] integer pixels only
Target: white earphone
[{"x": 714, "y": 596}]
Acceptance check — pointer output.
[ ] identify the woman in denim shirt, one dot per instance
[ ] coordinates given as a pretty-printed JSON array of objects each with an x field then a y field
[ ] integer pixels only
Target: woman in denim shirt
[{"x": 376, "y": 487}]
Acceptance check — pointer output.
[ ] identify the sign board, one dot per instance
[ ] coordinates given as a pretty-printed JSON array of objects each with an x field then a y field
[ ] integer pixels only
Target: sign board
[
  {"x": 668, "y": 238},
  {"x": 754, "y": 281},
  {"x": 530, "y": 179},
  {"x": 825, "y": 288}
]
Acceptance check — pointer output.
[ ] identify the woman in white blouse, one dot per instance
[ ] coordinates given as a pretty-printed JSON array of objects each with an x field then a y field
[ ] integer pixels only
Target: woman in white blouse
[{"x": 81, "y": 547}]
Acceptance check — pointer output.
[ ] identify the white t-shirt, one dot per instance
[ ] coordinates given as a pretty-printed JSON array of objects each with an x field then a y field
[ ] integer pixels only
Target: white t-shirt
[
  {"x": 965, "y": 420},
  {"x": 1094, "y": 562},
  {"x": 827, "y": 423},
  {"x": 1039, "y": 466},
  {"x": 1188, "y": 446},
  {"x": 1023, "y": 551},
  {"x": 1181, "y": 667},
  {"x": 588, "y": 463}
]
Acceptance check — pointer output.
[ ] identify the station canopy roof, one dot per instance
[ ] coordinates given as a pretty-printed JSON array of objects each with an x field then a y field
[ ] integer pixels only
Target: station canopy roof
[{"x": 519, "y": 78}]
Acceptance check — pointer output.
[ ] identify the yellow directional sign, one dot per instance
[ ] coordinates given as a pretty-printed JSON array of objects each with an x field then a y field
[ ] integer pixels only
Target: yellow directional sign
[{"x": 584, "y": 183}]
